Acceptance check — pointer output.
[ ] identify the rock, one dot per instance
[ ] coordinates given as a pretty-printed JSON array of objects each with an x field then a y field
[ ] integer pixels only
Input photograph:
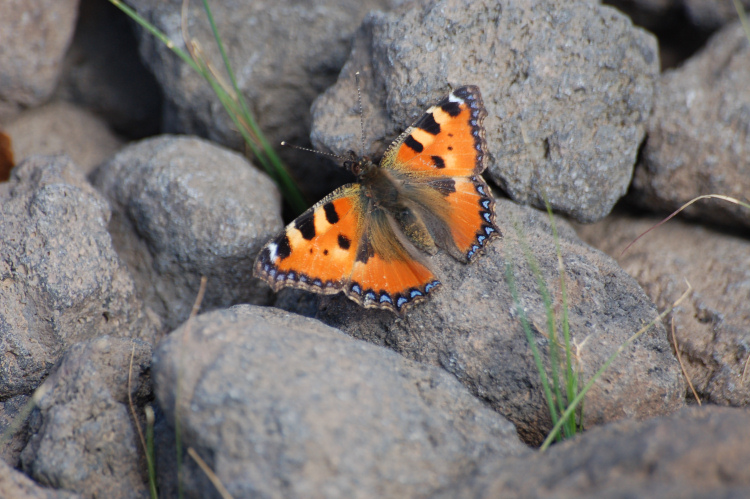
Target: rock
[
  {"x": 699, "y": 135},
  {"x": 185, "y": 208},
  {"x": 713, "y": 326},
  {"x": 59, "y": 128},
  {"x": 709, "y": 14},
  {"x": 471, "y": 328},
  {"x": 84, "y": 439},
  {"x": 103, "y": 73},
  {"x": 283, "y": 406},
  {"x": 16, "y": 485},
  {"x": 62, "y": 281},
  {"x": 567, "y": 100},
  {"x": 283, "y": 52},
  {"x": 658, "y": 15},
  {"x": 34, "y": 35},
  {"x": 697, "y": 452}
]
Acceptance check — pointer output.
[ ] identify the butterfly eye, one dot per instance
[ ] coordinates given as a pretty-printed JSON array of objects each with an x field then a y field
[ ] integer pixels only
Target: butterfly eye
[{"x": 353, "y": 166}]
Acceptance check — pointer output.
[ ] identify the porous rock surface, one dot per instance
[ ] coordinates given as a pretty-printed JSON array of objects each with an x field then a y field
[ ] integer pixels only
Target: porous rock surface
[
  {"x": 63, "y": 128},
  {"x": 284, "y": 406},
  {"x": 698, "y": 452},
  {"x": 34, "y": 35},
  {"x": 284, "y": 53},
  {"x": 61, "y": 279},
  {"x": 711, "y": 326},
  {"x": 699, "y": 135},
  {"x": 184, "y": 208},
  {"x": 568, "y": 88},
  {"x": 471, "y": 327},
  {"x": 15, "y": 485},
  {"x": 84, "y": 439}
]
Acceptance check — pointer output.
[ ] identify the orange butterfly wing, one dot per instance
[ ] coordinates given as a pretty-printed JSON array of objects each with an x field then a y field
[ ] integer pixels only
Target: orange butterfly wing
[
  {"x": 446, "y": 151},
  {"x": 344, "y": 244}
]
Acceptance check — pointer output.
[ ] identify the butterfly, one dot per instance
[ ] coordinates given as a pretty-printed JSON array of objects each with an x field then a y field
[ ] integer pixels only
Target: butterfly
[{"x": 369, "y": 239}]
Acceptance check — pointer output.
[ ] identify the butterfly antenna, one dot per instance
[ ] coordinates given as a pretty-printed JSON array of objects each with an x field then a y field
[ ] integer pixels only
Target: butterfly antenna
[
  {"x": 315, "y": 151},
  {"x": 361, "y": 112}
]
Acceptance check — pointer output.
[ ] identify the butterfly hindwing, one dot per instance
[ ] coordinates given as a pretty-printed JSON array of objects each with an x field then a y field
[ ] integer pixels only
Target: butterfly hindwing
[{"x": 386, "y": 274}]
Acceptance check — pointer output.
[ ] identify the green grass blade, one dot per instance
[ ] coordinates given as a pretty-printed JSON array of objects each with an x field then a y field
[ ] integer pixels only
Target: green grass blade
[
  {"x": 510, "y": 278},
  {"x": 157, "y": 33},
  {"x": 571, "y": 374},
  {"x": 151, "y": 451},
  {"x": 262, "y": 151},
  {"x": 551, "y": 320},
  {"x": 574, "y": 403},
  {"x": 272, "y": 163}
]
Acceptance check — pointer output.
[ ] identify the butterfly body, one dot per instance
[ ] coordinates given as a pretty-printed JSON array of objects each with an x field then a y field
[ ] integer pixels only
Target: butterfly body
[{"x": 369, "y": 239}]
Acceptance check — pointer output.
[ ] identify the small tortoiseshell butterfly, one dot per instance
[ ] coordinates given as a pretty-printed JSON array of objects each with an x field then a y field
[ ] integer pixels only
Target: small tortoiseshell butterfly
[{"x": 363, "y": 238}]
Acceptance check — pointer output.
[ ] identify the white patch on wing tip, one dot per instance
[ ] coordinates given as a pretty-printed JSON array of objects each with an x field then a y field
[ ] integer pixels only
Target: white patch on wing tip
[
  {"x": 453, "y": 98},
  {"x": 272, "y": 247}
]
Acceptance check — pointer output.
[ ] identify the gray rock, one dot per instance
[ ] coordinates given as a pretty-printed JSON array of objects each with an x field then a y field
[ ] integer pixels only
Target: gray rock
[
  {"x": 283, "y": 406},
  {"x": 34, "y": 35},
  {"x": 568, "y": 88},
  {"x": 12, "y": 410},
  {"x": 84, "y": 439},
  {"x": 58, "y": 128},
  {"x": 699, "y": 136},
  {"x": 103, "y": 73},
  {"x": 185, "y": 208},
  {"x": 471, "y": 328},
  {"x": 62, "y": 281},
  {"x": 713, "y": 326},
  {"x": 660, "y": 15},
  {"x": 284, "y": 54},
  {"x": 711, "y": 14},
  {"x": 695, "y": 453},
  {"x": 16, "y": 485}
]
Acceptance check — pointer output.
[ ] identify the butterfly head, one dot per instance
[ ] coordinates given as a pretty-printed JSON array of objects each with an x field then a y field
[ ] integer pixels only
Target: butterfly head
[{"x": 363, "y": 168}]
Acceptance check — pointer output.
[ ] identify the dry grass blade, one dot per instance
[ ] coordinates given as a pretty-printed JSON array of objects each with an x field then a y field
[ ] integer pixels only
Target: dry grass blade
[
  {"x": 707, "y": 196},
  {"x": 210, "y": 474},
  {"x": 744, "y": 371},
  {"x": 177, "y": 429},
  {"x": 682, "y": 366}
]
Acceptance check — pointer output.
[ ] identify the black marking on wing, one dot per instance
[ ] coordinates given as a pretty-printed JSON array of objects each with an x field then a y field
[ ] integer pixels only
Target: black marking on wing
[
  {"x": 413, "y": 144},
  {"x": 331, "y": 214},
  {"x": 439, "y": 163},
  {"x": 452, "y": 108},
  {"x": 428, "y": 124},
  {"x": 344, "y": 242},
  {"x": 283, "y": 248},
  {"x": 306, "y": 225}
]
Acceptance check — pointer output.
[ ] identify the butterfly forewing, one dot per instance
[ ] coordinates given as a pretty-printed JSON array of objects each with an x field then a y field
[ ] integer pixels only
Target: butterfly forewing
[
  {"x": 317, "y": 250},
  {"x": 447, "y": 141}
]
